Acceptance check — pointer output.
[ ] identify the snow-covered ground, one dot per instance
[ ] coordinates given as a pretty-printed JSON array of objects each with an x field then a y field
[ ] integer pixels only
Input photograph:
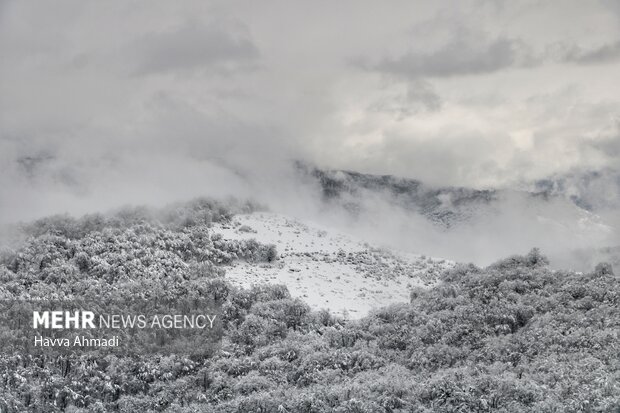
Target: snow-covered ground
[{"x": 327, "y": 268}]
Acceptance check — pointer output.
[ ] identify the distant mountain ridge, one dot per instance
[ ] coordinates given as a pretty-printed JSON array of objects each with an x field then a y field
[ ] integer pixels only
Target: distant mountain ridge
[
  {"x": 447, "y": 206},
  {"x": 590, "y": 190},
  {"x": 442, "y": 205}
]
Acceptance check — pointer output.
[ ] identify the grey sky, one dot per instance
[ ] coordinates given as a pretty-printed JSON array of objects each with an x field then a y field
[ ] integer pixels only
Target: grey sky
[{"x": 129, "y": 98}]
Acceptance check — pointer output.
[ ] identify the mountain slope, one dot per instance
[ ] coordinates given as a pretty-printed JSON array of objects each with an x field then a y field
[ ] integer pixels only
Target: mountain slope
[{"x": 327, "y": 268}]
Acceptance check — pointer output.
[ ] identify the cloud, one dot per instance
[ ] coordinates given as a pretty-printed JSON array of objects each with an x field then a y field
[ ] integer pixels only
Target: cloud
[
  {"x": 460, "y": 56},
  {"x": 114, "y": 102},
  {"x": 607, "y": 53},
  {"x": 418, "y": 96},
  {"x": 609, "y": 142},
  {"x": 483, "y": 142},
  {"x": 425, "y": 94},
  {"x": 194, "y": 45}
]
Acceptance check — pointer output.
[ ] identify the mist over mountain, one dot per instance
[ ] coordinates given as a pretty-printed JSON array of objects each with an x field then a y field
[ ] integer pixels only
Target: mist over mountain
[
  {"x": 573, "y": 218},
  {"x": 444, "y": 206},
  {"x": 594, "y": 191},
  {"x": 479, "y": 225},
  {"x": 597, "y": 190}
]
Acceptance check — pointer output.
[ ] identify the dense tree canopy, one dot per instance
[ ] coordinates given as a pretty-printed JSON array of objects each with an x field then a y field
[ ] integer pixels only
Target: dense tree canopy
[{"x": 512, "y": 337}]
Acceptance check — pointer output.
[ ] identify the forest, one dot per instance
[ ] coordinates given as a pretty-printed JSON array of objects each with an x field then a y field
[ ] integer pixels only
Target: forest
[{"x": 512, "y": 337}]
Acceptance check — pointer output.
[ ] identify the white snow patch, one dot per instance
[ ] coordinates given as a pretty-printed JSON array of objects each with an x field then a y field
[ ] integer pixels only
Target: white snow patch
[{"x": 327, "y": 268}]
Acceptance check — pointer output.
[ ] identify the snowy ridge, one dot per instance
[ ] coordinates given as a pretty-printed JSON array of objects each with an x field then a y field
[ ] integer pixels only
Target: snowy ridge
[{"x": 327, "y": 268}]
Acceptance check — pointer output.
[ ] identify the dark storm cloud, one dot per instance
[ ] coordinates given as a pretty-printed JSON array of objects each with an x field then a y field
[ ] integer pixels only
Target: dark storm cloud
[{"x": 194, "y": 46}]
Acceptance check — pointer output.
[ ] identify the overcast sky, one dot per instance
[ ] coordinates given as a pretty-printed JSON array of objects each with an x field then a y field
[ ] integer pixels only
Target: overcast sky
[{"x": 130, "y": 97}]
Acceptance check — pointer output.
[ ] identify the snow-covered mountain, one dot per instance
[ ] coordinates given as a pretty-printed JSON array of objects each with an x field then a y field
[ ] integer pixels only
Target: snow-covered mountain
[
  {"x": 573, "y": 218},
  {"x": 370, "y": 255}
]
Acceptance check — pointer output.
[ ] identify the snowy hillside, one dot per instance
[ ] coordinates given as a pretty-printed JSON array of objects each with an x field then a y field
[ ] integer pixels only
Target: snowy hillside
[{"x": 327, "y": 268}]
